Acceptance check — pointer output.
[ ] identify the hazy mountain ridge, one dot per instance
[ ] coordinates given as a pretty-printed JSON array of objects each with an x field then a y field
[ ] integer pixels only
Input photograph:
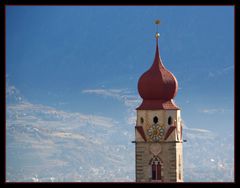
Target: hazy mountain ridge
[
  {"x": 46, "y": 144},
  {"x": 208, "y": 157},
  {"x": 52, "y": 145}
]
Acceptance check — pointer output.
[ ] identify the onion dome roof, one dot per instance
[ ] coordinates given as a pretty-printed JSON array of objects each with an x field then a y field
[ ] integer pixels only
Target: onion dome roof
[{"x": 157, "y": 86}]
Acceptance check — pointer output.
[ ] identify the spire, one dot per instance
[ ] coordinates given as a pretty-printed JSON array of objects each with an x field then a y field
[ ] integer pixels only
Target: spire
[
  {"x": 157, "y": 60},
  {"x": 157, "y": 86}
]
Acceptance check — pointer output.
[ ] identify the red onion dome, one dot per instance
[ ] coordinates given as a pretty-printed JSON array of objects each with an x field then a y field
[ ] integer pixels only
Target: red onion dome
[{"x": 157, "y": 86}]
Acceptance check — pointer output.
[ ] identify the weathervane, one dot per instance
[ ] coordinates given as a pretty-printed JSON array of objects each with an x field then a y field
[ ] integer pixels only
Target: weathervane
[{"x": 157, "y": 22}]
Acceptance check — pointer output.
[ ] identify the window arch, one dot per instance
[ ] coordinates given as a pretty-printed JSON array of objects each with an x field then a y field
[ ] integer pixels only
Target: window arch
[
  {"x": 155, "y": 119},
  {"x": 156, "y": 168},
  {"x": 141, "y": 120},
  {"x": 170, "y": 121}
]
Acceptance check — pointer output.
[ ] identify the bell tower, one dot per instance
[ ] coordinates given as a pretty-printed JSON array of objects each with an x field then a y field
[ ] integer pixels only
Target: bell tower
[{"x": 158, "y": 130}]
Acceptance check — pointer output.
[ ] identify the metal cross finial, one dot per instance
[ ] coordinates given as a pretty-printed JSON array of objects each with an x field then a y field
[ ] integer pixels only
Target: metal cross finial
[{"x": 157, "y": 22}]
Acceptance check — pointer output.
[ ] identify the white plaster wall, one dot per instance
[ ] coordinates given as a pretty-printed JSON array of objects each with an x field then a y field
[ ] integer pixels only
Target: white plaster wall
[{"x": 167, "y": 154}]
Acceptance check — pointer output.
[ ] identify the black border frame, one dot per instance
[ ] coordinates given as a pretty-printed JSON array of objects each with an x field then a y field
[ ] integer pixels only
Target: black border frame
[{"x": 5, "y": 3}]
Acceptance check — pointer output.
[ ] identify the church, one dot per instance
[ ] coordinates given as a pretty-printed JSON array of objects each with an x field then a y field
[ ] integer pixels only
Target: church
[{"x": 158, "y": 130}]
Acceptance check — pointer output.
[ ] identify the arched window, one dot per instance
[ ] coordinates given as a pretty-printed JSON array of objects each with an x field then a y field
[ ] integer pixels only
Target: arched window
[
  {"x": 156, "y": 168},
  {"x": 155, "y": 119},
  {"x": 141, "y": 120},
  {"x": 170, "y": 120},
  {"x": 154, "y": 172}
]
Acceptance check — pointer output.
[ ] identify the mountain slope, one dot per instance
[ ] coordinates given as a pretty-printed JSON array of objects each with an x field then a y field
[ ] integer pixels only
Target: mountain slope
[{"x": 47, "y": 144}]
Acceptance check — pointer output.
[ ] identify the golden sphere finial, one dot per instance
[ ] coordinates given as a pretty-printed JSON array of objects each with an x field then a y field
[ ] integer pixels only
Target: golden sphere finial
[{"x": 157, "y": 22}]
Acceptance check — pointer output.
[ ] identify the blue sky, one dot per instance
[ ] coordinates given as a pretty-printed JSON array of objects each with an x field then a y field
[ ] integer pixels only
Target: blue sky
[{"x": 81, "y": 59}]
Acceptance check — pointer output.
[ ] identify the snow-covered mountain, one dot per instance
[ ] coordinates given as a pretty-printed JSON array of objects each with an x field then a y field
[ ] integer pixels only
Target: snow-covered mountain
[{"x": 47, "y": 144}]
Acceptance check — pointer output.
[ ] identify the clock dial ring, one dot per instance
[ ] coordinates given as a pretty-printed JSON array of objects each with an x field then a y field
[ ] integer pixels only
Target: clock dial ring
[{"x": 156, "y": 132}]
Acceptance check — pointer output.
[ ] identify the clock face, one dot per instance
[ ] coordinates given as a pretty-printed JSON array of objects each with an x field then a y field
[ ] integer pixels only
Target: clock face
[{"x": 156, "y": 132}]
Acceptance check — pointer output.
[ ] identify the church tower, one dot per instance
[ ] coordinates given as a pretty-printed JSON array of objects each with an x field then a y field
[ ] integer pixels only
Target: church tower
[{"x": 158, "y": 130}]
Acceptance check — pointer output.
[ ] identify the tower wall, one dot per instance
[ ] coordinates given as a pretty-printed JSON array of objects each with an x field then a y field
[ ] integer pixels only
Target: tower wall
[
  {"x": 169, "y": 150},
  {"x": 158, "y": 130}
]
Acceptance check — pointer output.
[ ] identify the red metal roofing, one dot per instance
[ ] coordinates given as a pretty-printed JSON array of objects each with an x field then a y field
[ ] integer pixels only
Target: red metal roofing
[
  {"x": 157, "y": 84},
  {"x": 158, "y": 105}
]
